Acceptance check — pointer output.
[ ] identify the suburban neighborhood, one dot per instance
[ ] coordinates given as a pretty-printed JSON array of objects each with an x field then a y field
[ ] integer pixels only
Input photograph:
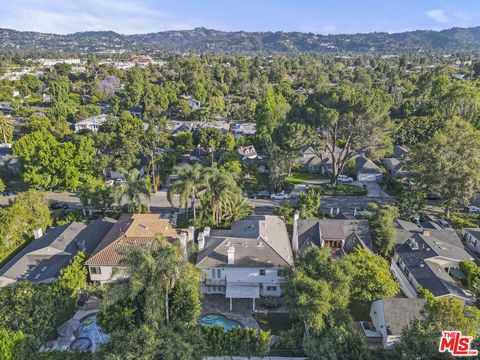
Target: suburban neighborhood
[{"x": 205, "y": 194}]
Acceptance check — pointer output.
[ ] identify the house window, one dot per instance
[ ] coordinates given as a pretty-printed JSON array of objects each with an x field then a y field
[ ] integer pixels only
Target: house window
[
  {"x": 271, "y": 288},
  {"x": 213, "y": 273},
  {"x": 219, "y": 273},
  {"x": 95, "y": 270},
  {"x": 262, "y": 272},
  {"x": 282, "y": 272}
]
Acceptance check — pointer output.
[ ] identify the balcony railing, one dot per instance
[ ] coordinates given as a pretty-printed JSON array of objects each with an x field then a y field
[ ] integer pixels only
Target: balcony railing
[
  {"x": 215, "y": 281},
  {"x": 407, "y": 287}
]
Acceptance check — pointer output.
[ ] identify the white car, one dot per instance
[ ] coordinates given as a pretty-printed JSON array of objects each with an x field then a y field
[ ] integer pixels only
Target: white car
[
  {"x": 345, "y": 179},
  {"x": 279, "y": 196}
]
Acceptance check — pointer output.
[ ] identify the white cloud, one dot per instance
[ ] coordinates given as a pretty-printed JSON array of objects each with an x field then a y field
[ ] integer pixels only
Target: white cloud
[{"x": 438, "y": 15}]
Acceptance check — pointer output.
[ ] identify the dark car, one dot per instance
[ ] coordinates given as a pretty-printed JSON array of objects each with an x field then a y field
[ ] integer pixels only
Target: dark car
[
  {"x": 261, "y": 195},
  {"x": 58, "y": 205}
]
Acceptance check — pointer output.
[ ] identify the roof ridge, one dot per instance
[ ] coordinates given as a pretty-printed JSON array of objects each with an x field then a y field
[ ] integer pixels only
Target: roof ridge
[{"x": 104, "y": 248}]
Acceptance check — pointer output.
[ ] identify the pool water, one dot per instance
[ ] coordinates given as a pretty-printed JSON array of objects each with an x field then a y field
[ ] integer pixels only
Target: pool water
[
  {"x": 91, "y": 330},
  {"x": 219, "y": 320}
]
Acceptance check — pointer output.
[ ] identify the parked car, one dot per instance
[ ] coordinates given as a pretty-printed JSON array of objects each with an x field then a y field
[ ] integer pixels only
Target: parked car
[
  {"x": 279, "y": 196},
  {"x": 472, "y": 209},
  {"x": 345, "y": 179},
  {"x": 417, "y": 219},
  {"x": 444, "y": 224},
  {"x": 261, "y": 195},
  {"x": 58, "y": 205},
  {"x": 433, "y": 196}
]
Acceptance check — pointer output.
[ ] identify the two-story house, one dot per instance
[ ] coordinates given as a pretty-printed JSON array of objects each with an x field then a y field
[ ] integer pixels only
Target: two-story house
[
  {"x": 92, "y": 123},
  {"x": 105, "y": 264},
  {"x": 427, "y": 258},
  {"x": 248, "y": 261}
]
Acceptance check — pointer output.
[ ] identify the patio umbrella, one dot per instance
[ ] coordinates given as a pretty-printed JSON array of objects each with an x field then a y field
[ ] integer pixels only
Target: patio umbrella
[{"x": 68, "y": 327}]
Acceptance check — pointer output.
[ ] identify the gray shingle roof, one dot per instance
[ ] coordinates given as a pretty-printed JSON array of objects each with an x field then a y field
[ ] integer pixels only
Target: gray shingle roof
[
  {"x": 42, "y": 259},
  {"x": 399, "y": 312},
  {"x": 365, "y": 165},
  {"x": 259, "y": 241}
]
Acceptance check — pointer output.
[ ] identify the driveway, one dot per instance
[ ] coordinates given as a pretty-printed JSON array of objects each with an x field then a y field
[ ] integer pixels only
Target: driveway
[{"x": 373, "y": 189}]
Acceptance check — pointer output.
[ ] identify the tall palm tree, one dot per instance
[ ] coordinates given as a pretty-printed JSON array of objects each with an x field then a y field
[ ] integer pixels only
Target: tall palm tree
[
  {"x": 219, "y": 185},
  {"x": 233, "y": 208},
  {"x": 191, "y": 180},
  {"x": 151, "y": 272},
  {"x": 6, "y": 127},
  {"x": 133, "y": 188}
]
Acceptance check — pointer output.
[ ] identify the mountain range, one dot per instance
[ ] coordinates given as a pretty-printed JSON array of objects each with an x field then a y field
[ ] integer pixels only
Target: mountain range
[{"x": 207, "y": 40}]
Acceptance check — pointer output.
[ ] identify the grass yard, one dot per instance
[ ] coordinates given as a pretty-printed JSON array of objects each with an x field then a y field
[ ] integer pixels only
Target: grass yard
[
  {"x": 275, "y": 322},
  {"x": 301, "y": 177},
  {"x": 360, "y": 311},
  {"x": 341, "y": 190},
  {"x": 257, "y": 183}
]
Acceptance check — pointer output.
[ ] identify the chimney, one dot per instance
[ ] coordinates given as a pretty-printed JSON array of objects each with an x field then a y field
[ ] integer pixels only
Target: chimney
[
  {"x": 37, "y": 233},
  {"x": 426, "y": 232},
  {"x": 201, "y": 241},
  {"x": 183, "y": 242},
  {"x": 191, "y": 234},
  {"x": 231, "y": 255},
  {"x": 296, "y": 216}
]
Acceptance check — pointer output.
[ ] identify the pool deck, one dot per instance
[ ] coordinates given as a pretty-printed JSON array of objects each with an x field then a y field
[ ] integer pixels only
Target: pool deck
[{"x": 242, "y": 309}]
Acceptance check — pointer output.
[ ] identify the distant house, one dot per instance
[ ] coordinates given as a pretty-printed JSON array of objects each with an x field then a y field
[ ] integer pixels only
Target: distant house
[
  {"x": 137, "y": 112},
  {"x": 367, "y": 170},
  {"x": 250, "y": 156},
  {"x": 243, "y": 129},
  {"x": 390, "y": 315},
  {"x": 43, "y": 258},
  {"x": 194, "y": 104},
  {"x": 343, "y": 236},
  {"x": 248, "y": 261},
  {"x": 428, "y": 257},
  {"x": 471, "y": 236},
  {"x": 92, "y": 123},
  {"x": 136, "y": 230},
  {"x": 7, "y": 158},
  {"x": 313, "y": 163},
  {"x": 199, "y": 154},
  {"x": 395, "y": 164},
  {"x": 6, "y": 109}
]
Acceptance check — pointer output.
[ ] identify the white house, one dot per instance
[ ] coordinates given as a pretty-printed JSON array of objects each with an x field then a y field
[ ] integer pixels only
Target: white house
[
  {"x": 92, "y": 123},
  {"x": 428, "y": 258},
  {"x": 248, "y": 261},
  {"x": 471, "y": 236},
  {"x": 391, "y": 315},
  {"x": 105, "y": 264}
]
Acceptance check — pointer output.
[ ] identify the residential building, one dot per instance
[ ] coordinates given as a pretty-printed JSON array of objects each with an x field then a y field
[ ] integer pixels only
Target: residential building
[
  {"x": 312, "y": 162},
  {"x": 390, "y": 315},
  {"x": 395, "y": 164},
  {"x": 200, "y": 154},
  {"x": 250, "y": 156},
  {"x": 194, "y": 104},
  {"x": 248, "y": 261},
  {"x": 367, "y": 170},
  {"x": 471, "y": 237},
  {"x": 6, "y": 109},
  {"x": 341, "y": 235},
  {"x": 43, "y": 258},
  {"x": 7, "y": 158},
  {"x": 135, "y": 230},
  {"x": 428, "y": 258},
  {"x": 92, "y": 123}
]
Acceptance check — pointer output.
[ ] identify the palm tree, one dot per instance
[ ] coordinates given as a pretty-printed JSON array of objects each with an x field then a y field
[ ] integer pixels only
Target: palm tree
[
  {"x": 233, "y": 208},
  {"x": 152, "y": 272},
  {"x": 219, "y": 185},
  {"x": 191, "y": 180},
  {"x": 133, "y": 188},
  {"x": 6, "y": 127}
]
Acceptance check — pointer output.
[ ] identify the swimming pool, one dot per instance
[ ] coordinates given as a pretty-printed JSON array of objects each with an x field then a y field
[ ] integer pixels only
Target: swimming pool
[
  {"x": 219, "y": 320},
  {"x": 89, "y": 329}
]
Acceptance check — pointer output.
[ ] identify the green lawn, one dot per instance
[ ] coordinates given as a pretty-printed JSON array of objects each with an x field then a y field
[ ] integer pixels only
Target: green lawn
[
  {"x": 257, "y": 183},
  {"x": 341, "y": 190},
  {"x": 301, "y": 177},
  {"x": 275, "y": 322},
  {"x": 360, "y": 311}
]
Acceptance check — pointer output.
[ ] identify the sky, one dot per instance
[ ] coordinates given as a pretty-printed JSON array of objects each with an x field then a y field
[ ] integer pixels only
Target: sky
[{"x": 320, "y": 17}]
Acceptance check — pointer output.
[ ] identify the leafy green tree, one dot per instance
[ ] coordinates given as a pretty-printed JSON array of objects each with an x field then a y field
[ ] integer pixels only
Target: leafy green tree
[
  {"x": 417, "y": 129},
  {"x": 318, "y": 290},
  {"x": 73, "y": 278},
  {"x": 37, "y": 124},
  {"x": 233, "y": 208},
  {"x": 382, "y": 229},
  {"x": 60, "y": 110},
  {"x": 190, "y": 181},
  {"x": 371, "y": 277},
  {"x": 186, "y": 300},
  {"x": 133, "y": 188},
  {"x": 410, "y": 202},
  {"x": 355, "y": 117},
  {"x": 2, "y": 186},
  {"x": 309, "y": 204},
  {"x": 94, "y": 193},
  {"x": 12, "y": 344},
  {"x": 447, "y": 164},
  {"x": 184, "y": 141},
  {"x": 6, "y": 128}
]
